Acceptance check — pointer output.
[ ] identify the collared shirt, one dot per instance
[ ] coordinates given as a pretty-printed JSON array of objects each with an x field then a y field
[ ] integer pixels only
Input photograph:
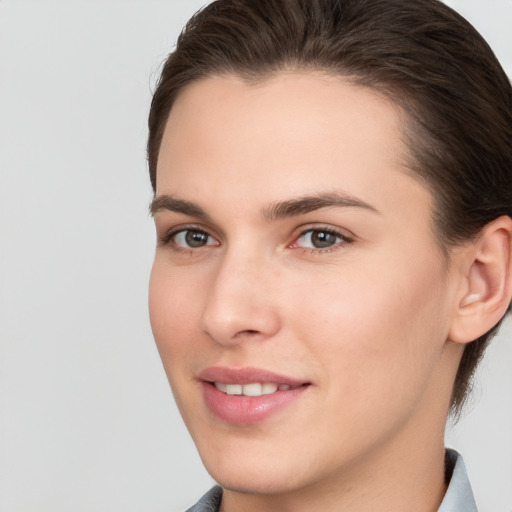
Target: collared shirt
[{"x": 458, "y": 497}]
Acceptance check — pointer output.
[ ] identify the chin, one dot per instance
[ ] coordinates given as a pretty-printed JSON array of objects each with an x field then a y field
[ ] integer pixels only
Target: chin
[
  {"x": 267, "y": 474},
  {"x": 250, "y": 483}
]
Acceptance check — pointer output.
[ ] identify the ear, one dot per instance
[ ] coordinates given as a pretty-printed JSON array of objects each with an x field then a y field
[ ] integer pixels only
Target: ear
[{"x": 486, "y": 287}]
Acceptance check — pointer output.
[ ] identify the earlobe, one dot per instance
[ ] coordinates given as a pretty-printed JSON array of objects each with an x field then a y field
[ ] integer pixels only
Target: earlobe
[{"x": 487, "y": 286}]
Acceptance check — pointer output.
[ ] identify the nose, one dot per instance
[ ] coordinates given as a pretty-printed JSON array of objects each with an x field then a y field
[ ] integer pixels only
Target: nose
[{"x": 241, "y": 304}]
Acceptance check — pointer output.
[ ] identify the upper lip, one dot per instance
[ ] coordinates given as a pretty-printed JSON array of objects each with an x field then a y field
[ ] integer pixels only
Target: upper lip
[{"x": 246, "y": 375}]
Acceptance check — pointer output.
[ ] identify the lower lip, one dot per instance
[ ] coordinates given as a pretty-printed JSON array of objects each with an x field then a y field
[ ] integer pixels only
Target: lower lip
[{"x": 248, "y": 410}]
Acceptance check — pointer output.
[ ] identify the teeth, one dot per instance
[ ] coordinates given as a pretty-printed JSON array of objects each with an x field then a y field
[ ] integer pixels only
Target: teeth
[
  {"x": 268, "y": 388},
  {"x": 234, "y": 389},
  {"x": 221, "y": 386},
  {"x": 253, "y": 389}
]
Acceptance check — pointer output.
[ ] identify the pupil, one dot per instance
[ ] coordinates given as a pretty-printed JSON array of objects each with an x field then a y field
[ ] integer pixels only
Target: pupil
[
  {"x": 322, "y": 239},
  {"x": 196, "y": 238}
]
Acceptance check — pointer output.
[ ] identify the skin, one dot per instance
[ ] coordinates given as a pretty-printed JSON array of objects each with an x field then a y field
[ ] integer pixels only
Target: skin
[{"x": 365, "y": 321}]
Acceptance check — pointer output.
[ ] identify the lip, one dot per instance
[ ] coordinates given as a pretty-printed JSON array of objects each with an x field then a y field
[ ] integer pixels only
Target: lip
[
  {"x": 248, "y": 410},
  {"x": 246, "y": 375}
]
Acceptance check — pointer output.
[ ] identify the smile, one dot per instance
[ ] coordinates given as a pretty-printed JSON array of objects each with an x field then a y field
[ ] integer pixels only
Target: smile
[
  {"x": 252, "y": 389},
  {"x": 246, "y": 396}
]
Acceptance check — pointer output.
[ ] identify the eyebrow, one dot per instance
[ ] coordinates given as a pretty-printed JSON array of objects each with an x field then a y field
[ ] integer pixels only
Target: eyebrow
[
  {"x": 279, "y": 210},
  {"x": 307, "y": 204},
  {"x": 169, "y": 203}
]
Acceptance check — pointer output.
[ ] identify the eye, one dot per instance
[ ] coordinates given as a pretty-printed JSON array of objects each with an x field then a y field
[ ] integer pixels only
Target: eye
[
  {"x": 321, "y": 238},
  {"x": 191, "y": 239}
]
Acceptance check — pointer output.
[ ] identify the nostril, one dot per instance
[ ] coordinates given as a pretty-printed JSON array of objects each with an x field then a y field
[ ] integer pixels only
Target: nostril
[{"x": 247, "y": 333}]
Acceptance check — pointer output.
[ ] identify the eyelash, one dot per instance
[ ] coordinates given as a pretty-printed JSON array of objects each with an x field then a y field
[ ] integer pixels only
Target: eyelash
[
  {"x": 344, "y": 239},
  {"x": 168, "y": 239}
]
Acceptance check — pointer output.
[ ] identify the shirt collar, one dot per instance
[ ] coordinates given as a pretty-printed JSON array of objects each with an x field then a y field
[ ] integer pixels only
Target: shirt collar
[{"x": 459, "y": 496}]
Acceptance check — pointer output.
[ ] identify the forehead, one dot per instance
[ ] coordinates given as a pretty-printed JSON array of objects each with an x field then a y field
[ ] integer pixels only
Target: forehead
[
  {"x": 312, "y": 106},
  {"x": 296, "y": 132}
]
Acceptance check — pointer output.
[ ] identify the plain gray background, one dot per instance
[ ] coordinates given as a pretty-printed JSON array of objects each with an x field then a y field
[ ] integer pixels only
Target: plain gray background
[{"x": 87, "y": 422}]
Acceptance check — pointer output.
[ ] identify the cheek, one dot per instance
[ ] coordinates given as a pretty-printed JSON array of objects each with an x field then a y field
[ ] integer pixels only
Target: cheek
[
  {"x": 376, "y": 332},
  {"x": 174, "y": 310}
]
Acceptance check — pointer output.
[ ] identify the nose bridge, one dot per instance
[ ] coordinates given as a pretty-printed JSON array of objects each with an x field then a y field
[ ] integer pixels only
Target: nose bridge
[{"x": 240, "y": 299}]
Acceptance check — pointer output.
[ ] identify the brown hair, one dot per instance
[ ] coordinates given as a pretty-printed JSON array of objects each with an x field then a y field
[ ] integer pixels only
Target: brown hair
[{"x": 419, "y": 53}]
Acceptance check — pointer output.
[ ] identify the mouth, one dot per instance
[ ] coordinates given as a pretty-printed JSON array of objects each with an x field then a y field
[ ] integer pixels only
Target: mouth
[
  {"x": 244, "y": 396},
  {"x": 252, "y": 389}
]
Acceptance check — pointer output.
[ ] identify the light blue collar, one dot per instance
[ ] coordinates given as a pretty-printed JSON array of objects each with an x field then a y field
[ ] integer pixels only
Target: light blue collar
[{"x": 459, "y": 496}]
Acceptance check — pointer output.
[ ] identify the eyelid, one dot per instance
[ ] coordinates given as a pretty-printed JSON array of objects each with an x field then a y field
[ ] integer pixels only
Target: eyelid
[
  {"x": 346, "y": 237},
  {"x": 167, "y": 238}
]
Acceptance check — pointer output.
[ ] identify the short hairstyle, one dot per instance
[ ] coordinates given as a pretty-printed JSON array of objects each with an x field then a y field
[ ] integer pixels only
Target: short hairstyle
[{"x": 420, "y": 54}]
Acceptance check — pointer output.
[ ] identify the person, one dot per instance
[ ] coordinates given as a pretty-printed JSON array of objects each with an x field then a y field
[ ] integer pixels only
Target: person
[{"x": 333, "y": 203}]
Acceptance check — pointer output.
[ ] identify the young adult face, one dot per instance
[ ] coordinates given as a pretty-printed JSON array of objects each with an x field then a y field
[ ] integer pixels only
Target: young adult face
[{"x": 295, "y": 251}]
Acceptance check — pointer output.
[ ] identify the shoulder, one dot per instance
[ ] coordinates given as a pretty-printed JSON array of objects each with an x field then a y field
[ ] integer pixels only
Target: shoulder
[{"x": 210, "y": 502}]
